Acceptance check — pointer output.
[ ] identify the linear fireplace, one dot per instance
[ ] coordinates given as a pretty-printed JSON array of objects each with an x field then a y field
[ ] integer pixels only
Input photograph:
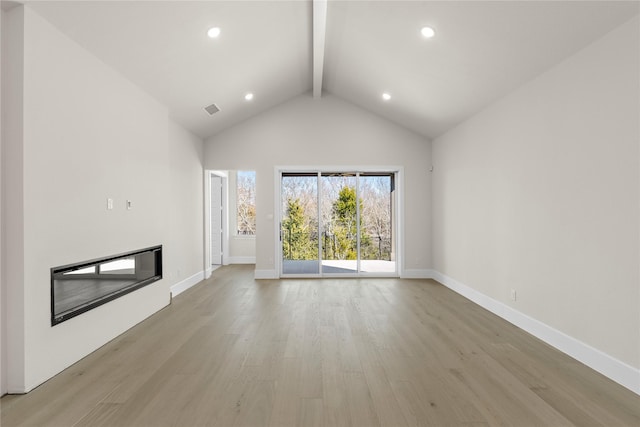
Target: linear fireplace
[{"x": 77, "y": 288}]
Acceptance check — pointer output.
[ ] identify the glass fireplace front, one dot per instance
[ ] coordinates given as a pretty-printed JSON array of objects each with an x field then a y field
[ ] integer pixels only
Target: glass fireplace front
[{"x": 82, "y": 286}]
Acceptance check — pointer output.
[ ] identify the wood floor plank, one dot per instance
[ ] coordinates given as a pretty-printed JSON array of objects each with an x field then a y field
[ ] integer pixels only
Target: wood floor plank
[
  {"x": 413, "y": 409},
  {"x": 233, "y": 351},
  {"x": 286, "y": 402},
  {"x": 334, "y": 397},
  {"x": 98, "y": 416},
  {"x": 295, "y": 338},
  {"x": 361, "y": 406},
  {"x": 311, "y": 370},
  {"x": 384, "y": 400},
  {"x": 255, "y": 406},
  {"x": 311, "y": 414}
]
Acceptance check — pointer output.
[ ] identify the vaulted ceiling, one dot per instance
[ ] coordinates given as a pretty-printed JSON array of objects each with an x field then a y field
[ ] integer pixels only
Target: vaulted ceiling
[{"x": 356, "y": 51}]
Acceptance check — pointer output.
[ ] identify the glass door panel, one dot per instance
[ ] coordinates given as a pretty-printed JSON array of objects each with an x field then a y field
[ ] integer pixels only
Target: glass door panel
[
  {"x": 299, "y": 226},
  {"x": 377, "y": 248},
  {"x": 339, "y": 223}
]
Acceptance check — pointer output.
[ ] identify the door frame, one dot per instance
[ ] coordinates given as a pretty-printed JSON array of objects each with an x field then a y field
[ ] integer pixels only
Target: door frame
[
  {"x": 398, "y": 224},
  {"x": 208, "y": 174}
]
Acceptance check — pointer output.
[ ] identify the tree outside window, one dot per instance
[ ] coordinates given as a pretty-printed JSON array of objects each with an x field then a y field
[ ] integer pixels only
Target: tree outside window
[{"x": 246, "y": 203}]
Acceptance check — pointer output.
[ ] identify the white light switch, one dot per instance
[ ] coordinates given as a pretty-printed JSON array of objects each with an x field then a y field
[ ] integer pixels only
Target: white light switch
[
  {"x": 129, "y": 204},
  {"x": 109, "y": 204}
]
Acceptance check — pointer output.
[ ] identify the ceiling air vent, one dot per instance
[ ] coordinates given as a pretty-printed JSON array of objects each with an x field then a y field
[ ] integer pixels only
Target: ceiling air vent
[{"x": 212, "y": 109}]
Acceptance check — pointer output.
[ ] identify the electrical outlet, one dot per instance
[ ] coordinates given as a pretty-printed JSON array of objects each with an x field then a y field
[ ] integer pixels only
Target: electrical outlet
[{"x": 513, "y": 295}]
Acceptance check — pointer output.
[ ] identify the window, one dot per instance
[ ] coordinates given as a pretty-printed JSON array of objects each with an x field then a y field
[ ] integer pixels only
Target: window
[{"x": 246, "y": 203}]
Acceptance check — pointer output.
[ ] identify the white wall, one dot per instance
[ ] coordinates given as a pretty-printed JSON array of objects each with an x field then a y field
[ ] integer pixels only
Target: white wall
[
  {"x": 3, "y": 323},
  {"x": 185, "y": 250},
  {"x": 242, "y": 250},
  {"x": 540, "y": 193},
  {"x": 12, "y": 195},
  {"x": 326, "y": 132},
  {"x": 86, "y": 134}
]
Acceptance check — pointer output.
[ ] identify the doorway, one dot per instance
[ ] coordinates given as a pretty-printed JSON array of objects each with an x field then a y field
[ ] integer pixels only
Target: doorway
[
  {"x": 338, "y": 223},
  {"x": 216, "y": 225},
  {"x": 216, "y": 221}
]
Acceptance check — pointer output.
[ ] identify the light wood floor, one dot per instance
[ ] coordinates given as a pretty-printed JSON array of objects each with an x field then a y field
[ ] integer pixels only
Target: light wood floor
[{"x": 233, "y": 351}]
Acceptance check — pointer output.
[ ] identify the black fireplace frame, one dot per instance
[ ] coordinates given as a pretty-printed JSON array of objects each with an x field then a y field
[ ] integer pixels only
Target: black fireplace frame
[{"x": 56, "y": 319}]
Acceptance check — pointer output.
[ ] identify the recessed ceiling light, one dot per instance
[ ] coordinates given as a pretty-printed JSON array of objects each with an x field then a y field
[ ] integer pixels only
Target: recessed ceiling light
[
  {"x": 213, "y": 32},
  {"x": 386, "y": 96},
  {"x": 248, "y": 96},
  {"x": 428, "y": 32}
]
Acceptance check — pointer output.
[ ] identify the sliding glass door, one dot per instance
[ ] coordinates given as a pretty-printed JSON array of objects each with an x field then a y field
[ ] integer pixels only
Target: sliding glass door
[
  {"x": 337, "y": 223},
  {"x": 378, "y": 250},
  {"x": 299, "y": 224}
]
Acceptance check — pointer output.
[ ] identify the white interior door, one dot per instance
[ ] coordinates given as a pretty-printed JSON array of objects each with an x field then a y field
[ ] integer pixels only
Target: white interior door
[{"x": 216, "y": 220}]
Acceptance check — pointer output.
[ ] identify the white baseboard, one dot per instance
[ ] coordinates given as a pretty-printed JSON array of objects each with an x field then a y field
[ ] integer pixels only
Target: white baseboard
[
  {"x": 266, "y": 274},
  {"x": 618, "y": 371},
  {"x": 185, "y": 284},
  {"x": 241, "y": 260},
  {"x": 416, "y": 274}
]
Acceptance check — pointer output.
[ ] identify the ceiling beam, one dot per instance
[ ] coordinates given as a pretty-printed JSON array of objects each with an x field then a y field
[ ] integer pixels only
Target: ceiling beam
[{"x": 319, "y": 35}]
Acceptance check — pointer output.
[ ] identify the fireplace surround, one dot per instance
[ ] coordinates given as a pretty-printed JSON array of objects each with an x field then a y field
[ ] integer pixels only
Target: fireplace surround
[{"x": 80, "y": 287}]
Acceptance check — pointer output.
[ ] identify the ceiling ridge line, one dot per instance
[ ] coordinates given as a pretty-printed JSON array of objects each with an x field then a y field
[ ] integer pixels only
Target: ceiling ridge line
[{"x": 319, "y": 37}]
